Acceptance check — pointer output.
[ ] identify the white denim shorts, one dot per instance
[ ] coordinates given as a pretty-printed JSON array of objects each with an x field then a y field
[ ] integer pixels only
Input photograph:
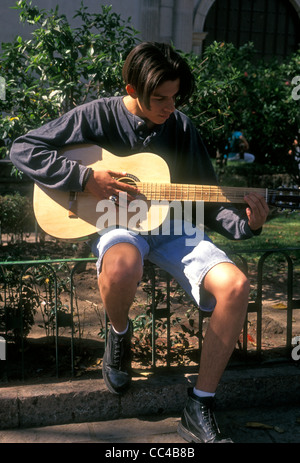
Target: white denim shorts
[{"x": 173, "y": 252}]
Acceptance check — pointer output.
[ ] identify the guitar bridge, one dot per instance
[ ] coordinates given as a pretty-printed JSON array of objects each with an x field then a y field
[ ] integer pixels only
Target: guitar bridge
[{"x": 72, "y": 213}]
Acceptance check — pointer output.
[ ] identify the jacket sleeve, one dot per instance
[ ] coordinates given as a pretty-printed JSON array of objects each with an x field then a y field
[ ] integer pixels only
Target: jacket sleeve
[
  {"x": 229, "y": 222},
  {"x": 36, "y": 154}
]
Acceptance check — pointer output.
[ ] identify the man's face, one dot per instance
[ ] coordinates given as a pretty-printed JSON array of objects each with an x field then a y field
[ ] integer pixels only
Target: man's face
[{"x": 162, "y": 103}]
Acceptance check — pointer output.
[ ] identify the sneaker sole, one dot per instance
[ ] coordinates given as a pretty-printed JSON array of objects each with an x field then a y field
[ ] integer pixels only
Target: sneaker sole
[
  {"x": 107, "y": 383},
  {"x": 187, "y": 435}
]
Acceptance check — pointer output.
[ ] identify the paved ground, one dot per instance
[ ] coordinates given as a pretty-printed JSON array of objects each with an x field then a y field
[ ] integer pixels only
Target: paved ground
[
  {"x": 254, "y": 406},
  {"x": 270, "y": 425}
]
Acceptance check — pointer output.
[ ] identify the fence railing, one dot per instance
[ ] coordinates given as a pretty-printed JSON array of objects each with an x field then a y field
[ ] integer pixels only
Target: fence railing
[
  {"x": 18, "y": 296},
  {"x": 292, "y": 282}
]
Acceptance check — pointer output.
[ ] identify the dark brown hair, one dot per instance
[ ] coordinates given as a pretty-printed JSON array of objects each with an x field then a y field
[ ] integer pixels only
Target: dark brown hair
[{"x": 150, "y": 64}]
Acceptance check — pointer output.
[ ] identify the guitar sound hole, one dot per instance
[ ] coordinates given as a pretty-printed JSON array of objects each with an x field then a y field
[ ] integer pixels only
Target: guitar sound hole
[{"x": 129, "y": 179}]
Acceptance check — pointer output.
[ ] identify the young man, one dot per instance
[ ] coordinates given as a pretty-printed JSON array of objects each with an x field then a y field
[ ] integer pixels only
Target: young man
[{"x": 156, "y": 78}]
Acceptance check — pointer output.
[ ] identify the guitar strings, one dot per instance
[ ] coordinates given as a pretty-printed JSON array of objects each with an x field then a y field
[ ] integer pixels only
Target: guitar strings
[
  {"x": 171, "y": 191},
  {"x": 210, "y": 193}
]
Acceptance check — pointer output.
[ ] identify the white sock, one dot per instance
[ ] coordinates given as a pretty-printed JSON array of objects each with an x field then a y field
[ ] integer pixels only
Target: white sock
[
  {"x": 200, "y": 393},
  {"x": 121, "y": 332}
]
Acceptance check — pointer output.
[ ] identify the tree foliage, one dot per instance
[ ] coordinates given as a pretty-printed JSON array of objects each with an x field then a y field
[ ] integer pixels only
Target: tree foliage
[
  {"x": 61, "y": 67},
  {"x": 232, "y": 89}
]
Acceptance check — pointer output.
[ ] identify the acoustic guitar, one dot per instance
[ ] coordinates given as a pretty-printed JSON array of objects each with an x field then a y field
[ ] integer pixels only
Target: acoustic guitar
[{"x": 77, "y": 215}]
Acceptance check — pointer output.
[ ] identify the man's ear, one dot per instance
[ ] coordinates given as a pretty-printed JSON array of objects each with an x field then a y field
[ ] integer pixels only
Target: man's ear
[{"x": 131, "y": 91}]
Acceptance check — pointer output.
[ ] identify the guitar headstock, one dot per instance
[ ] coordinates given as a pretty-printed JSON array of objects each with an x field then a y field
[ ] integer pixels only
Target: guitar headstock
[{"x": 285, "y": 198}]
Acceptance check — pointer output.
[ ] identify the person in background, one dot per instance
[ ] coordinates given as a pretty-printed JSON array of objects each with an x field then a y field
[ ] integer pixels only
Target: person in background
[{"x": 237, "y": 147}]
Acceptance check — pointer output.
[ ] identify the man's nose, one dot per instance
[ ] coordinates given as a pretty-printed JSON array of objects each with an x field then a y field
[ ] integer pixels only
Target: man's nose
[{"x": 170, "y": 106}]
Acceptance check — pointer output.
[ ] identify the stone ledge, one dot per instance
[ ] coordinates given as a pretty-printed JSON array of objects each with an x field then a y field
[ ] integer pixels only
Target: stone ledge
[{"x": 81, "y": 401}]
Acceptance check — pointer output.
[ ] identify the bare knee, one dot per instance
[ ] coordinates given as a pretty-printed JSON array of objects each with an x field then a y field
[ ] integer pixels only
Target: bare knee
[
  {"x": 227, "y": 282},
  {"x": 120, "y": 271},
  {"x": 122, "y": 265},
  {"x": 239, "y": 287}
]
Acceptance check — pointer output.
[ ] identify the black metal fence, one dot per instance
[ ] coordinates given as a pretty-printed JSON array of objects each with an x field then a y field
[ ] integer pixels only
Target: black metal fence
[
  {"x": 288, "y": 261},
  {"x": 19, "y": 301}
]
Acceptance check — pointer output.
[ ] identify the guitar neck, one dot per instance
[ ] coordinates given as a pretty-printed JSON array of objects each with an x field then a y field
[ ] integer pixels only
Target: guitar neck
[{"x": 206, "y": 193}]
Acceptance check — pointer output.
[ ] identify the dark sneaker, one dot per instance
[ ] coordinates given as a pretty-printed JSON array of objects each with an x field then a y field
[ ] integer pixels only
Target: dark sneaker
[
  {"x": 117, "y": 361},
  {"x": 198, "y": 422}
]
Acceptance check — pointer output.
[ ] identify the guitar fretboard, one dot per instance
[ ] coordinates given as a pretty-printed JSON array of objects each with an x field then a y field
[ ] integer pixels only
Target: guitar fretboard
[{"x": 207, "y": 193}]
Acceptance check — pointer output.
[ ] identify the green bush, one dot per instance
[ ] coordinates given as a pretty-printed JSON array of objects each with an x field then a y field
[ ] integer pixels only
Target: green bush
[
  {"x": 233, "y": 88},
  {"x": 60, "y": 67},
  {"x": 16, "y": 215},
  {"x": 218, "y": 82}
]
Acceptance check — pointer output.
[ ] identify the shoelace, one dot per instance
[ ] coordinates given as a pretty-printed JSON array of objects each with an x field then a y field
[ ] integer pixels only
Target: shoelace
[
  {"x": 210, "y": 421},
  {"x": 117, "y": 354}
]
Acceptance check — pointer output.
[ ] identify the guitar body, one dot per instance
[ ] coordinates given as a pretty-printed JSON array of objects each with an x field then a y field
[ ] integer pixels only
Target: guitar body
[
  {"x": 70, "y": 216},
  {"x": 73, "y": 216}
]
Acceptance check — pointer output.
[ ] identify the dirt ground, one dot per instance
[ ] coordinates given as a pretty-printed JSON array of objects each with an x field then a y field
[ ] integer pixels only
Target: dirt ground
[{"x": 39, "y": 348}]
